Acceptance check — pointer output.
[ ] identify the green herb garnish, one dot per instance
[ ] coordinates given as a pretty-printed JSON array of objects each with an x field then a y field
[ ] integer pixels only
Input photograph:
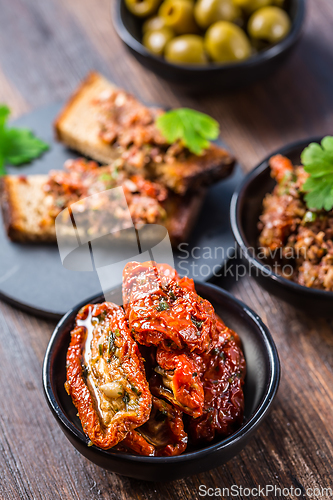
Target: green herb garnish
[
  {"x": 136, "y": 391},
  {"x": 162, "y": 306},
  {"x": 318, "y": 162},
  {"x": 197, "y": 323},
  {"x": 219, "y": 353},
  {"x": 106, "y": 177},
  {"x": 111, "y": 343},
  {"x": 100, "y": 348},
  {"x": 192, "y": 128},
  {"x": 101, "y": 316},
  {"x": 309, "y": 217},
  {"x": 126, "y": 398},
  {"x": 17, "y": 145},
  {"x": 85, "y": 372}
]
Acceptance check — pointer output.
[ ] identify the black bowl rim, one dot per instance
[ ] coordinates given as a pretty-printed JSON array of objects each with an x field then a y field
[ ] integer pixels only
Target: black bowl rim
[
  {"x": 237, "y": 229},
  {"x": 260, "y": 412},
  {"x": 255, "y": 60}
]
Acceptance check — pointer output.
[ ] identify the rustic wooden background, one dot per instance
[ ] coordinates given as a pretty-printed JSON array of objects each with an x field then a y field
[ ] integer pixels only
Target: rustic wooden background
[{"x": 46, "y": 47}]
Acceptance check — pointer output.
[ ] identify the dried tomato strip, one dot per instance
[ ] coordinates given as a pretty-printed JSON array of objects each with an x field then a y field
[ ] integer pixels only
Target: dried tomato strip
[
  {"x": 223, "y": 373},
  {"x": 162, "y": 436},
  {"x": 162, "y": 310},
  {"x": 107, "y": 384},
  {"x": 177, "y": 379}
]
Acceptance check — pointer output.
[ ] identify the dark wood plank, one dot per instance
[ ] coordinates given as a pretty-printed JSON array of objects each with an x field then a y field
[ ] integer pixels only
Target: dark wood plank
[{"x": 46, "y": 47}]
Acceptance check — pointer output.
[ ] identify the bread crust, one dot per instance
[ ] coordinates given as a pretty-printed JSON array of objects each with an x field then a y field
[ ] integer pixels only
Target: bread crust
[
  {"x": 182, "y": 214},
  {"x": 24, "y": 211},
  {"x": 9, "y": 206},
  {"x": 77, "y": 124},
  {"x": 92, "y": 77},
  {"x": 197, "y": 171}
]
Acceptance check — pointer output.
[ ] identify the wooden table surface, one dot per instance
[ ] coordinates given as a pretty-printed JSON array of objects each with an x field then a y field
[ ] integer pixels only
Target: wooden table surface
[{"x": 46, "y": 47}]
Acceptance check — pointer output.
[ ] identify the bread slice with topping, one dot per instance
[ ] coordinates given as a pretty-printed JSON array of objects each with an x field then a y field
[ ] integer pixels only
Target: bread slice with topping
[
  {"x": 29, "y": 210},
  {"x": 104, "y": 123}
]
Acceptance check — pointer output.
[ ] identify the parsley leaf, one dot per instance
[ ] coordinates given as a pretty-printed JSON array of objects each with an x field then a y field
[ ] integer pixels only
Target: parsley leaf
[
  {"x": 4, "y": 113},
  {"x": 318, "y": 162},
  {"x": 192, "y": 128},
  {"x": 2, "y": 165},
  {"x": 22, "y": 146},
  {"x": 162, "y": 306},
  {"x": 17, "y": 146}
]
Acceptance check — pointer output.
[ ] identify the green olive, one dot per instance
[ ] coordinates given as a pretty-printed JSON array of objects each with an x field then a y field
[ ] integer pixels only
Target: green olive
[
  {"x": 153, "y": 24},
  {"x": 142, "y": 8},
  {"x": 155, "y": 41},
  {"x": 179, "y": 16},
  {"x": 186, "y": 49},
  {"x": 225, "y": 42},
  {"x": 207, "y": 12},
  {"x": 252, "y": 5},
  {"x": 271, "y": 24}
]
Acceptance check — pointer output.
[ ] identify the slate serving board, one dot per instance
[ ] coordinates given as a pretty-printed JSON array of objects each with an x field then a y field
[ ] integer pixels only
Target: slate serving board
[{"x": 32, "y": 276}]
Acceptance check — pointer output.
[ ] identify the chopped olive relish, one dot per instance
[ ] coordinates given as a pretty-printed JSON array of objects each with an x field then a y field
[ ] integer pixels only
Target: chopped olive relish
[{"x": 297, "y": 219}]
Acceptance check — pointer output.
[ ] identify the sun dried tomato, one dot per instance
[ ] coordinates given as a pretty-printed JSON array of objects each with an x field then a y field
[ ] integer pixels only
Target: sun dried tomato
[
  {"x": 176, "y": 379},
  {"x": 105, "y": 375},
  {"x": 162, "y": 436},
  {"x": 223, "y": 372},
  {"x": 166, "y": 310}
]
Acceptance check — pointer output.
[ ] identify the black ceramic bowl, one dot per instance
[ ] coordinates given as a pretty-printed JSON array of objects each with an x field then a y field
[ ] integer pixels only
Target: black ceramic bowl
[
  {"x": 245, "y": 209},
  {"x": 211, "y": 76},
  {"x": 262, "y": 380}
]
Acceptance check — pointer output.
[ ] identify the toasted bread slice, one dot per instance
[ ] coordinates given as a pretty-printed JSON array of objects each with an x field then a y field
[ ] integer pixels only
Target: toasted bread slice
[
  {"x": 78, "y": 126},
  {"x": 25, "y": 210}
]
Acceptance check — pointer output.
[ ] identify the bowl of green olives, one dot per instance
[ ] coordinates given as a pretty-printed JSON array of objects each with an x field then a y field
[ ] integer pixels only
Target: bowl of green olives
[{"x": 206, "y": 44}]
